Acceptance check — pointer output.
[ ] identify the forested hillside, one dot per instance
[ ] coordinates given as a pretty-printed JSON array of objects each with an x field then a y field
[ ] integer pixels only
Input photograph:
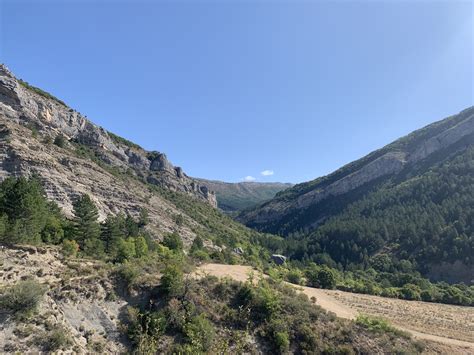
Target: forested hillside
[
  {"x": 234, "y": 197},
  {"x": 419, "y": 211}
]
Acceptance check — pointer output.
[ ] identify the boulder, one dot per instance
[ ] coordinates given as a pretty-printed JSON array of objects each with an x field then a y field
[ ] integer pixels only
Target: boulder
[
  {"x": 238, "y": 250},
  {"x": 278, "y": 259}
]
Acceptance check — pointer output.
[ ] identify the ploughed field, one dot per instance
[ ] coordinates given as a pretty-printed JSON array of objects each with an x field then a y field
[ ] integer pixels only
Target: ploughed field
[{"x": 446, "y": 324}]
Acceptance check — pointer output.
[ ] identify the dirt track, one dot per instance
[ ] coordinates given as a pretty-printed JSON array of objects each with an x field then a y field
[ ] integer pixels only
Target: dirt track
[{"x": 445, "y": 324}]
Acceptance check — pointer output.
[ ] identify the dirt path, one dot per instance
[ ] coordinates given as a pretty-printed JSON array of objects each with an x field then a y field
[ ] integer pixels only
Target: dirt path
[{"x": 450, "y": 325}]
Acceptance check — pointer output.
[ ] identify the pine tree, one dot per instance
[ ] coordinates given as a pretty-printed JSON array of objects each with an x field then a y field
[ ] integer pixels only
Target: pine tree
[
  {"x": 24, "y": 203},
  {"x": 86, "y": 225},
  {"x": 113, "y": 231}
]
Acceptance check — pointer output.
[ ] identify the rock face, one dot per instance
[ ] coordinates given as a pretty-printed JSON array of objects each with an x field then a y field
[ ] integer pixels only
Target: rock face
[
  {"x": 46, "y": 117},
  {"x": 402, "y": 154},
  {"x": 78, "y": 302}
]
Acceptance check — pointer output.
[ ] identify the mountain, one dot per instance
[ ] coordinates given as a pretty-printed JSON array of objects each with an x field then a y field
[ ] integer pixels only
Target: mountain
[
  {"x": 40, "y": 135},
  {"x": 233, "y": 197},
  {"x": 412, "y": 200}
]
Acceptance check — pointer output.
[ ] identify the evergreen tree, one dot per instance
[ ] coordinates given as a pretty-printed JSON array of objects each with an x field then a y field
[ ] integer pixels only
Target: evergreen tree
[
  {"x": 131, "y": 226},
  {"x": 23, "y": 202},
  {"x": 113, "y": 231},
  {"x": 86, "y": 225}
]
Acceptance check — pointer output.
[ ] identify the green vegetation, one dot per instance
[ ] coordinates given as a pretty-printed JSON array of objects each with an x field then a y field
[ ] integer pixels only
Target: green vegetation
[
  {"x": 234, "y": 197},
  {"x": 409, "y": 286},
  {"x": 185, "y": 315},
  {"x": 122, "y": 141},
  {"x": 25, "y": 214},
  {"x": 378, "y": 325},
  {"x": 388, "y": 236},
  {"x": 22, "y": 299},
  {"x": 27, "y": 217},
  {"x": 38, "y": 91},
  {"x": 54, "y": 339},
  {"x": 191, "y": 316},
  {"x": 60, "y": 141}
]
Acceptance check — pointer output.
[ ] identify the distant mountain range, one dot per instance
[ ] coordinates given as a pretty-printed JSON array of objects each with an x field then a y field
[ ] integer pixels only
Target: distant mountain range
[
  {"x": 233, "y": 197},
  {"x": 411, "y": 200}
]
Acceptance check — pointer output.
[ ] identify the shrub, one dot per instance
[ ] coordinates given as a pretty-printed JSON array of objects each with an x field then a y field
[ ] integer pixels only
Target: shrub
[
  {"x": 323, "y": 277},
  {"x": 126, "y": 249},
  {"x": 60, "y": 141},
  {"x": 58, "y": 338},
  {"x": 173, "y": 241},
  {"x": 199, "y": 333},
  {"x": 23, "y": 298},
  {"x": 145, "y": 330},
  {"x": 141, "y": 247},
  {"x": 129, "y": 274},
  {"x": 53, "y": 231},
  {"x": 294, "y": 276},
  {"x": 70, "y": 248},
  {"x": 282, "y": 341},
  {"x": 172, "y": 282},
  {"x": 378, "y": 325},
  {"x": 175, "y": 314},
  {"x": 411, "y": 292}
]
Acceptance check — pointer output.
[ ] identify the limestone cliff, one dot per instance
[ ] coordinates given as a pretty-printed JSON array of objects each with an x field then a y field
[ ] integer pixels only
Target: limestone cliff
[{"x": 23, "y": 106}]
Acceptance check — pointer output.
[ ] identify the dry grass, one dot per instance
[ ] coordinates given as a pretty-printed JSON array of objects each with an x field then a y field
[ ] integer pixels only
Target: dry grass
[
  {"x": 449, "y": 321},
  {"x": 451, "y": 327}
]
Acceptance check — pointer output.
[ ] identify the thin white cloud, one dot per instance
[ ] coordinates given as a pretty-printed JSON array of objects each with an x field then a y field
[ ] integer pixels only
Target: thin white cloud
[
  {"x": 267, "y": 172},
  {"x": 249, "y": 178}
]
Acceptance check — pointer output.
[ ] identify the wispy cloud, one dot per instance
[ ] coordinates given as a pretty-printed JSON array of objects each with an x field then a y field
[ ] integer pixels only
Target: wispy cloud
[
  {"x": 249, "y": 178},
  {"x": 267, "y": 172}
]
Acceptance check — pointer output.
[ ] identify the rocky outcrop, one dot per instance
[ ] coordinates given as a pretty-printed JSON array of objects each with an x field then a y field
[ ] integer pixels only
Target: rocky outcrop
[
  {"x": 27, "y": 106},
  {"x": 81, "y": 301},
  {"x": 386, "y": 162}
]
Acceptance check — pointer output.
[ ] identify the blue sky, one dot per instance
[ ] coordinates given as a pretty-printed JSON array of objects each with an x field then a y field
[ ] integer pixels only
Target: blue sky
[{"x": 229, "y": 89}]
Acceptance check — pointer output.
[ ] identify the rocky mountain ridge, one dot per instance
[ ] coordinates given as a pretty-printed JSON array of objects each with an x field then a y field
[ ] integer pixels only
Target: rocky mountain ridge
[
  {"x": 390, "y": 160},
  {"x": 25, "y": 105}
]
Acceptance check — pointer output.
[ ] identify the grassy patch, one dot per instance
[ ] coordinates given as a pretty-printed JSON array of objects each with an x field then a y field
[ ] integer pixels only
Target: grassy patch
[
  {"x": 379, "y": 325},
  {"x": 41, "y": 92},
  {"x": 23, "y": 298}
]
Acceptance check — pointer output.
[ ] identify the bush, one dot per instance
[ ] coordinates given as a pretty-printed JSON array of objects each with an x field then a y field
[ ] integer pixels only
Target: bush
[
  {"x": 23, "y": 298},
  {"x": 129, "y": 274},
  {"x": 323, "y": 277},
  {"x": 282, "y": 341},
  {"x": 199, "y": 333},
  {"x": 53, "y": 232},
  {"x": 378, "y": 325},
  {"x": 294, "y": 276},
  {"x": 60, "y": 141},
  {"x": 173, "y": 241},
  {"x": 145, "y": 330},
  {"x": 126, "y": 249},
  {"x": 141, "y": 247},
  {"x": 70, "y": 248},
  {"x": 411, "y": 292},
  {"x": 172, "y": 282},
  {"x": 58, "y": 338}
]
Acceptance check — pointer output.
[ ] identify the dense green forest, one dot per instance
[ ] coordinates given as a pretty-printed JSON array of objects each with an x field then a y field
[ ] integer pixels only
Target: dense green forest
[{"x": 426, "y": 220}]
